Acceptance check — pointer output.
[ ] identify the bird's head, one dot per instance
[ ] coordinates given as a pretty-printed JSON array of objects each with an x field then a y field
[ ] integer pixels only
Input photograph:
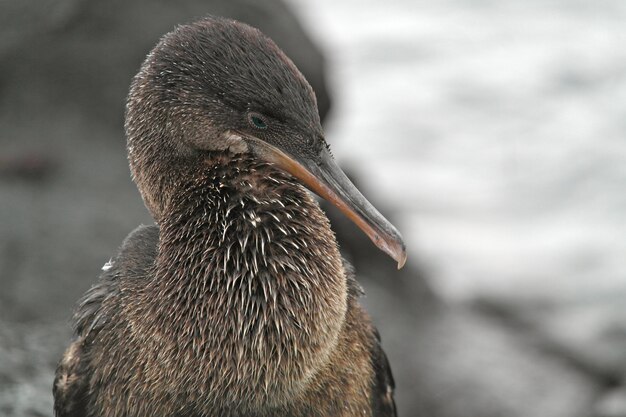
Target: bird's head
[{"x": 221, "y": 85}]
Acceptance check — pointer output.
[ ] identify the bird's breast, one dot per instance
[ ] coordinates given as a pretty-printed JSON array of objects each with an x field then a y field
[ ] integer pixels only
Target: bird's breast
[{"x": 253, "y": 294}]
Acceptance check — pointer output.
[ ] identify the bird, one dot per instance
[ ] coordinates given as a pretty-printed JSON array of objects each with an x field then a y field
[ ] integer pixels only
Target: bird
[{"x": 236, "y": 302}]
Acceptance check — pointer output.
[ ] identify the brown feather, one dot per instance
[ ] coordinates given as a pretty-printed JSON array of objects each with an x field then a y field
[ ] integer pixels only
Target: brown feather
[{"x": 237, "y": 303}]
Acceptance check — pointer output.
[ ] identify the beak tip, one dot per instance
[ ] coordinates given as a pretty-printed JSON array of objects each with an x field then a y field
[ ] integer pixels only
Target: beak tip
[
  {"x": 402, "y": 259},
  {"x": 395, "y": 249}
]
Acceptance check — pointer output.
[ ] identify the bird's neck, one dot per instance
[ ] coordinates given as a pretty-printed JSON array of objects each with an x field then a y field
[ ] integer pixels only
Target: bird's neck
[{"x": 248, "y": 272}]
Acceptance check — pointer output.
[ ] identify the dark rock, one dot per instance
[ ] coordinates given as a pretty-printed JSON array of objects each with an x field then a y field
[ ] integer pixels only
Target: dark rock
[
  {"x": 83, "y": 54},
  {"x": 31, "y": 167}
]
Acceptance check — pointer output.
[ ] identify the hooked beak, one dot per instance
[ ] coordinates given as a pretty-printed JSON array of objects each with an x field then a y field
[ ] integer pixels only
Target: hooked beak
[{"x": 324, "y": 177}]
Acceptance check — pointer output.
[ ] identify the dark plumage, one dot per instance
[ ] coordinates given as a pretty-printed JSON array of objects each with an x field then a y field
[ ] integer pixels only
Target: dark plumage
[{"x": 237, "y": 302}]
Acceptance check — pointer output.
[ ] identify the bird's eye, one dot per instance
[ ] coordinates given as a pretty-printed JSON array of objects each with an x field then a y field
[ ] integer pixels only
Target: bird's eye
[{"x": 257, "y": 121}]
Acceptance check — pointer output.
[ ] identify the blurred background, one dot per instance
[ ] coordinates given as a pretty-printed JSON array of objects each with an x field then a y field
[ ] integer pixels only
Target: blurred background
[{"x": 492, "y": 133}]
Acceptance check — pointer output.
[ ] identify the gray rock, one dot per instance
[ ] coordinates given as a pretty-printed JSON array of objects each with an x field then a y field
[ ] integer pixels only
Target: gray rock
[
  {"x": 454, "y": 361},
  {"x": 612, "y": 404},
  {"x": 451, "y": 361},
  {"x": 28, "y": 356}
]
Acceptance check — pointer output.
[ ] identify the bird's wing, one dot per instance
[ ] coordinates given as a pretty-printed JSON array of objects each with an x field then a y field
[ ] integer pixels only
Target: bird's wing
[
  {"x": 71, "y": 383},
  {"x": 384, "y": 385}
]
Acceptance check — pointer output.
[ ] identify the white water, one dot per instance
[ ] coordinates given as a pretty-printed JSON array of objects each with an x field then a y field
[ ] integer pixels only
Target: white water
[{"x": 498, "y": 128}]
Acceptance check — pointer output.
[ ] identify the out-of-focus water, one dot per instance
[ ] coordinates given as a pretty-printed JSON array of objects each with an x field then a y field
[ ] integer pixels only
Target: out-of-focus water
[{"x": 498, "y": 128}]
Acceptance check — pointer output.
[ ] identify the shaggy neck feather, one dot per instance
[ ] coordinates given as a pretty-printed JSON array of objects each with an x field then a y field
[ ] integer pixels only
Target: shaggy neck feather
[{"x": 248, "y": 271}]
